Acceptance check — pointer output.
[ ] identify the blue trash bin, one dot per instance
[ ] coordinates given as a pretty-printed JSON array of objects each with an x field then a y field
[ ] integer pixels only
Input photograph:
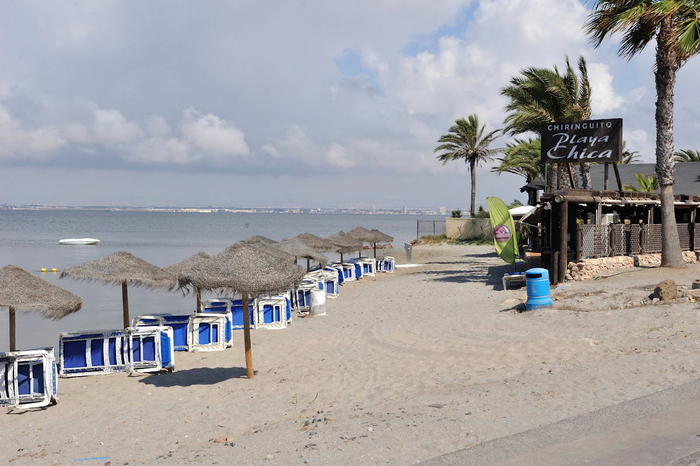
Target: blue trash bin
[{"x": 537, "y": 283}]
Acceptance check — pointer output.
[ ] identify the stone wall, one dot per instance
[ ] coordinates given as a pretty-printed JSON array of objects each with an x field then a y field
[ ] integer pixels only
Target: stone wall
[
  {"x": 591, "y": 268},
  {"x": 468, "y": 228}
]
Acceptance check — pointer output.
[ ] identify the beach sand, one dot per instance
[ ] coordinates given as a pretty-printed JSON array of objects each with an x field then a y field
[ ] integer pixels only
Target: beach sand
[{"x": 403, "y": 367}]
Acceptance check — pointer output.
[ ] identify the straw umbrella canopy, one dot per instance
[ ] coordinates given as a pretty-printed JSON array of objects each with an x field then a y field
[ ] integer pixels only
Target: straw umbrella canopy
[
  {"x": 126, "y": 269},
  {"x": 344, "y": 243},
  {"x": 316, "y": 242},
  {"x": 298, "y": 248},
  {"x": 362, "y": 234},
  {"x": 260, "y": 239},
  {"x": 186, "y": 267},
  {"x": 247, "y": 269},
  {"x": 20, "y": 289},
  {"x": 380, "y": 237}
]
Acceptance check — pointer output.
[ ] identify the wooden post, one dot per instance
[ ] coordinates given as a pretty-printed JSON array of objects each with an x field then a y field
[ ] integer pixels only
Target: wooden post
[
  {"x": 417, "y": 228},
  {"x": 558, "y": 175},
  {"x": 13, "y": 334},
  {"x": 246, "y": 336},
  {"x": 571, "y": 176},
  {"x": 611, "y": 240},
  {"x": 579, "y": 242},
  {"x": 199, "y": 299},
  {"x": 606, "y": 176},
  {"x": 617, "y": 176},
  {"x": 643, "y": 240},
  {"x": 563, "y": 232},
  {"x": 125, "y": 303},
  {"x": 692, "y": 230}
]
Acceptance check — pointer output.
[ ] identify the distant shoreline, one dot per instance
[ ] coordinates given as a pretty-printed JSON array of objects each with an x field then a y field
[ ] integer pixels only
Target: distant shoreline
[{"x": 232, "y": 210}]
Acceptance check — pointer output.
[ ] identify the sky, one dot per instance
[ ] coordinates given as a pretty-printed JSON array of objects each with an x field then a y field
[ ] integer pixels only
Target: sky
[{"x": 294, "y": 103}]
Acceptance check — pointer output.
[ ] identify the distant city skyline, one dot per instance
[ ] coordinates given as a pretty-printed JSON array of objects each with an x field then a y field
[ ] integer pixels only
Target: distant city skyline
[{"x": 291, "y": 103}]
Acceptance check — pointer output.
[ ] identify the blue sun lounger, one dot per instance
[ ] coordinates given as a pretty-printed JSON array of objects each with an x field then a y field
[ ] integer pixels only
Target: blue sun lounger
[
  {"x": 234, "y": 307},
  {"x": 272, "y": 313},
  {"x": 28, "y": 379},
  {"x": 388, "y": 264},
  {"x": 194, "y": 332},
  {"x": 134, "y": 349}
]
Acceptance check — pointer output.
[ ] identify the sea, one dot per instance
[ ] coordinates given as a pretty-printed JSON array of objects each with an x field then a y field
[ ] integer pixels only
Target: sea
[{"x": 29, "y": 239}]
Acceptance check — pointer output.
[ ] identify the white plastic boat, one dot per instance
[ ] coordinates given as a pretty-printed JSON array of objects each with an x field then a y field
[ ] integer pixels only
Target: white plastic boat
[{"x": 79, "y": 241}]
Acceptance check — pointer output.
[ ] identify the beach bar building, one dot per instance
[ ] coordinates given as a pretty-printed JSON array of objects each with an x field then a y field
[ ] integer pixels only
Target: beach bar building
[{"x": 580, "y": 224}]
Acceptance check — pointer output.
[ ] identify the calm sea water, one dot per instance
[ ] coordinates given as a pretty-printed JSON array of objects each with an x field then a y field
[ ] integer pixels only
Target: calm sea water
[{"x": 29, "y": 239}]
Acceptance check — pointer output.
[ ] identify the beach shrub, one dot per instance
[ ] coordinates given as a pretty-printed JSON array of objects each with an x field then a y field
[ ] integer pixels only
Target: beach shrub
[{"x": 457, "y": 213}]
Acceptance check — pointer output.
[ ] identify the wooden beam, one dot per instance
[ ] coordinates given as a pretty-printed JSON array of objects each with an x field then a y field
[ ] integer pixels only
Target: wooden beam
[
  {"x": 563, "y": 231},
  {"x": 617, "y": 176},
  {"x": 125, "y": 304},
  {"x": 13, "y": 330},
  {"x": 246, "y": 336}
]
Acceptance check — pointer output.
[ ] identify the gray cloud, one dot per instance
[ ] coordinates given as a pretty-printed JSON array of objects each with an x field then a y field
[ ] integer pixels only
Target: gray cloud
[{"x": 252, "y": 93}]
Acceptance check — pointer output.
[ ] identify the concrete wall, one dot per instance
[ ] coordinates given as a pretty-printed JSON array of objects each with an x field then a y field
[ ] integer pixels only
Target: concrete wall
[{"x": 468, "y": 228}]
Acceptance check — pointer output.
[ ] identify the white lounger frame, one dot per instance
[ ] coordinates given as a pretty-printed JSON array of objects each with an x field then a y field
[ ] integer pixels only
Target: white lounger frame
[
  {"x": 217, "y": 326},
  {"x": 9, "y": 385}
]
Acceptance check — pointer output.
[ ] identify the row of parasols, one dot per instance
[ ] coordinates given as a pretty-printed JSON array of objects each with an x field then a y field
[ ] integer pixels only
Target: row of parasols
[{"x": 250, "y": 268}]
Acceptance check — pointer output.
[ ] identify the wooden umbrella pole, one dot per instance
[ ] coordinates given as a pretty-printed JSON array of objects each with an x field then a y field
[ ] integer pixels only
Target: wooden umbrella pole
[
  {"x": 199, "y": 299},
  {"x": 375, "y": 249},
  {"x": 125, "y": 303},
  {"x": 246, "y": 336},
  {"x": 13, "y": 334},
  {"x": 308, "y": 264}
]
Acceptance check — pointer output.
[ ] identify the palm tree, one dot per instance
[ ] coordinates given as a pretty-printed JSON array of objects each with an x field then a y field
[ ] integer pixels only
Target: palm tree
[
  {"x": 686, "y": 155},
  {"x": 675, "y": 24},
  {"x": 467, "y": 140},
  {"x": 543, "y": 95},
  {"x": 522, "y": 158},
  {"x": 629, "y": 156},
  {"x": 645, "y": 184}
]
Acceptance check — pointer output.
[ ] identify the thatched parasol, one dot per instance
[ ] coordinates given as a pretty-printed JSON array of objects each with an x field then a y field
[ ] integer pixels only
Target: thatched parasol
[
  {"x": 21, "y": 289},
  {"x": 260, "y": 239},
  {"x": 125, "y": 269},
  {"x": 298, "y": 248},
  {"x": 364, "y": 235},
  {"x": 186, "y": 267},
  {"x": 247, "y": 269},
  {"x": 316, "y": 242},
  {"x": 380, "y": 237},
  {"x": 345, "y": 243}
]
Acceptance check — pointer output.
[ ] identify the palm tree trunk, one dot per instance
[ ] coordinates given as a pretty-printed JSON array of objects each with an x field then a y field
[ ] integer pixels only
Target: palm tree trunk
[
  {"x": 665, "y": 77},
  {"x": 472, "y": 172}
]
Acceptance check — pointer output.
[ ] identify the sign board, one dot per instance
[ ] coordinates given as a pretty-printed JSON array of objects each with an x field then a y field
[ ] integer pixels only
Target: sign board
[{"x": 582, "y": 141}]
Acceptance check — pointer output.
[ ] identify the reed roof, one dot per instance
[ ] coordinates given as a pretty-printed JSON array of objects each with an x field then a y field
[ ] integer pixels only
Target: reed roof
[
  {"x": 249, "y": 268},
  {"x": 298, "y": 248},
  {"x": 316, "y": 242},
  {"x": 344, "y": 242},
  {"x": 122, "y": 266},
  {"x": 24, "y": 291}
]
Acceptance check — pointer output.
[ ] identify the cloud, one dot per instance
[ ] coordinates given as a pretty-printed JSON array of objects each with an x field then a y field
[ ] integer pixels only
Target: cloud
[
  {"x": 603, "y": 96},
  {"x": 213, "y": 136},
  {"x": 18, "y": 142},
  {"x": 315, "y": 88}
]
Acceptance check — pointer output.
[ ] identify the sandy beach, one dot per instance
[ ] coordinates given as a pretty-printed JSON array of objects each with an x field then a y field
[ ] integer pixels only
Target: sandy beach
[{"x": 404, "y": 367}]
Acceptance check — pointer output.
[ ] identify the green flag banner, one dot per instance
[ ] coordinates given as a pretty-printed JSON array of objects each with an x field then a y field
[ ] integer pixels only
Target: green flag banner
[{"x": 504, "y": 235}]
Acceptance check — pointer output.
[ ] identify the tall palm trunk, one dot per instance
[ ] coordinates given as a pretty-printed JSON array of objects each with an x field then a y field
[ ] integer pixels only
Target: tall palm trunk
[
  {"x": 665, "y": 77},
  {"x": 472, "y": 173}
]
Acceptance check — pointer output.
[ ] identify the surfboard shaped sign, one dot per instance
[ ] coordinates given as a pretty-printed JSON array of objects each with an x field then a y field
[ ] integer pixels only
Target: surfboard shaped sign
[{"x": 582, "y": 141}]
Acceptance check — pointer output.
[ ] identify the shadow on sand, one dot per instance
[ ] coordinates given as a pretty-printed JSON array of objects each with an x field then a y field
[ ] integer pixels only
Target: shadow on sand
[
  {"x": 489, "y": 276},
  {"x": 195, "y": 376}
]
